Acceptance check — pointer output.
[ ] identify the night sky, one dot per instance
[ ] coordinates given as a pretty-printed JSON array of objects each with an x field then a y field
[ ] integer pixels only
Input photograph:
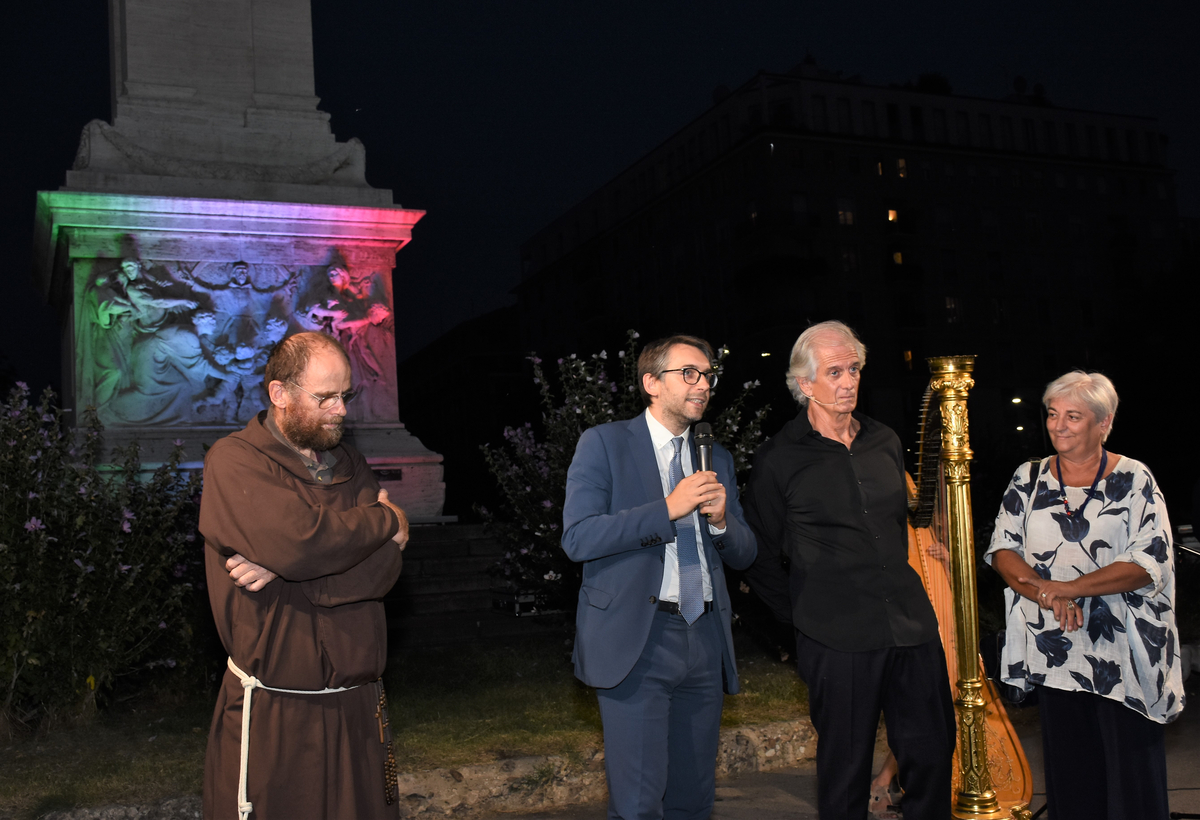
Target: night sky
[{"x": 497, "y": 116}]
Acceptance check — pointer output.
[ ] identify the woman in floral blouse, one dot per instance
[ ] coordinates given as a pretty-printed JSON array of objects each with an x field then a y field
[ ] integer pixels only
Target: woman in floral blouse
[{"x": 1084, "y": 544}]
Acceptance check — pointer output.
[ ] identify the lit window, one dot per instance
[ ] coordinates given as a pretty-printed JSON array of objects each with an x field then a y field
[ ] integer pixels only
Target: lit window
[
  {"x": 898, "y": 258},
  {"x": 845, "y": 212},
  {"x": 901, "y": 168},
  {"x": 908, "y": 359},
  {"x": 953, "y": 310},
  {"x": 879, "y": 168},
  {"x": 892, "y": 216}
]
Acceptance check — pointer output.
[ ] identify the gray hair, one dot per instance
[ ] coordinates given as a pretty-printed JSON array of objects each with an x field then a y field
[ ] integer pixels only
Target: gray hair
[
  {"x": 803, "y": 363},
  {"x": 1093, "y": 390}
]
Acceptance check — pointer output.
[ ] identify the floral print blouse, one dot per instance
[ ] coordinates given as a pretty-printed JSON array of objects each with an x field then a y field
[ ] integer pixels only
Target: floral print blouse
[{"x": 1127, "y": 649}]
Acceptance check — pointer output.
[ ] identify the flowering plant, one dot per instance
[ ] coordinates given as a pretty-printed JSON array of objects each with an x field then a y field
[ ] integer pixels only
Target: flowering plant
[
  {"x": 96, "y": 563},
  {"x": 530, "y": 466}
]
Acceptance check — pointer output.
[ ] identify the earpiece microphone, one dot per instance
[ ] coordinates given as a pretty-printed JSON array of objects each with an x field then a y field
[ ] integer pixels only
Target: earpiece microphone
[{"x": 818, "y": 401}]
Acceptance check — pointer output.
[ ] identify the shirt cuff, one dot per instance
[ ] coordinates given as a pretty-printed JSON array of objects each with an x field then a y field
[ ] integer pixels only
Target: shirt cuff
[{"x": 715, "y": 530}]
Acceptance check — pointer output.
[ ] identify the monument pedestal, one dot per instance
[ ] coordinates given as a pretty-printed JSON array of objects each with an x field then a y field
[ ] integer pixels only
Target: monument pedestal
[{"x": 170, "y": 304}]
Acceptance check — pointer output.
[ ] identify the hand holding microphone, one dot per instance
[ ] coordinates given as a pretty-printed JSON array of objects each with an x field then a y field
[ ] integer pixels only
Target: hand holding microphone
[{"x": 704, "y": 448}]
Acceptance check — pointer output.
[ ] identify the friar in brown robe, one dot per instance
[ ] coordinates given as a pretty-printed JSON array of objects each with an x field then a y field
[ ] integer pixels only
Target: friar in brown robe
[{"x": 300, "y": 546}]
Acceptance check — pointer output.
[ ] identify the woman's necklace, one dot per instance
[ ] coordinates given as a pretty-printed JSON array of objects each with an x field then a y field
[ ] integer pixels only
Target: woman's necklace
[{"x": 1062, "y": 488}]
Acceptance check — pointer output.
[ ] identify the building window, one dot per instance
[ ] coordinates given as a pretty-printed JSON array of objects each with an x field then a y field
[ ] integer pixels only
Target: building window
[
  {"x": 845, "y": 212},
  {"x": 917, "y": 116},
  {"x": 893, "y": 216},
  {"x": 893, "y": 122},
  {"x": 1050, "y": 133},
  {"x": 1030, "y": 135},
  {"x": 897, "y": 258},
  {"x": 849, "y": 261},
  {"x": 949, "y": 264},
  {"x": 985, "y": 131},
  {"x": 819, "y": 113},
  {"x": 1110, "y": 139},
  {"x": 962, "y": 128},
  {"x": 940, "y": 133},
  {"x": 1033, "y": 225},
  {"x": 1008, "y": 141},
  {"x": 1072, "y": 140},
  {"x": 868, "y": 119},
  {"x": 901, "y": 168},
  {"x": 1093, "y": 139},
  {"x": 953, "y": 310},
  {"x": 781, "y": 113},
  {"x": 843, "y": 116},
  {"x": 1131, "y": 146}
]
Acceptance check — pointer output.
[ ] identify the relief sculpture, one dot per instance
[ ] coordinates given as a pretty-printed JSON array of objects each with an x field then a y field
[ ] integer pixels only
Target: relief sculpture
[{"x": 165, "y": 342}]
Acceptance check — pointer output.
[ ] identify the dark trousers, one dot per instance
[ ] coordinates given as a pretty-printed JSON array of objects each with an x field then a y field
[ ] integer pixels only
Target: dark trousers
[
  {"x": 847, "y": 691},
  {"x": 1103, "y": 760},
  {"x": 661, "y": 724}
]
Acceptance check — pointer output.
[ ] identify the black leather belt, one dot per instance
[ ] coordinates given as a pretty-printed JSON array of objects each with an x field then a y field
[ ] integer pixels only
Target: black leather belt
[{"x": 673, "y": 608}]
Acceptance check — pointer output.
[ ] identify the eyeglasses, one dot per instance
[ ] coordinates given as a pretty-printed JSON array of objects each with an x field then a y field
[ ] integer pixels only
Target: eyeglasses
[
  {"x": 325, "y": 402},
  {"x": 692, "y": 376}
]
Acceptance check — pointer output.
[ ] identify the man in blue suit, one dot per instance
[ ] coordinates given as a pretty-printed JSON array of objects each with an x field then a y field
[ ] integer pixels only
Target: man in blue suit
[{"x": 652, "y": 628}]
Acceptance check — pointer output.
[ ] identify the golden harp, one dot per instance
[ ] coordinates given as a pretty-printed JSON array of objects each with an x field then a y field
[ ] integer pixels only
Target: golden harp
[{"x": 991, "y": 777}]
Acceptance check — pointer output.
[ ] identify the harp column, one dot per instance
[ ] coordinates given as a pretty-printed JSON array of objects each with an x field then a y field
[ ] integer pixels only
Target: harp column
[{"x": 951, "y": 381}]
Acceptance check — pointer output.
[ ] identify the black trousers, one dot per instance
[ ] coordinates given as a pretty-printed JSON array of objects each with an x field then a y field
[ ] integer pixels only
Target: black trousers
[
  {"x": 1103, "y": 760},
  {"x": 846, "y": 693}
]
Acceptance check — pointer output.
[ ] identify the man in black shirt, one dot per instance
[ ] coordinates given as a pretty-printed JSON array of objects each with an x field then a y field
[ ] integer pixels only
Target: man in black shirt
[{"x": 828, "y": 495}]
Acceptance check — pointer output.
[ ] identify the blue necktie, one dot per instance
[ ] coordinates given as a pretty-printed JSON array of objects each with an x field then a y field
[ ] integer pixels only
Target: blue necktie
[{"x": 691, "y": 585}]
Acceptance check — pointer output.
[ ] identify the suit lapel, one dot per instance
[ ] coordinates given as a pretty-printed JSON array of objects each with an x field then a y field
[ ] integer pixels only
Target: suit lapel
[{"x": 647, "y": 463}]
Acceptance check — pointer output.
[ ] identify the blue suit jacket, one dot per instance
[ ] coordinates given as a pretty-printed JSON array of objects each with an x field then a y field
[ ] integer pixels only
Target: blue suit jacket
[{"x": 615, "y": 521}]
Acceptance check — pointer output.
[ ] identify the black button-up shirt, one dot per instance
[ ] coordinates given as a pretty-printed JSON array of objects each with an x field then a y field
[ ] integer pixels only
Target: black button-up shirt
[{"x": 840, "y": 518}]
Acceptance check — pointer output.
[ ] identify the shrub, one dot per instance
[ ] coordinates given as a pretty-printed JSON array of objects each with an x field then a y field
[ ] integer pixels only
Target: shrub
[
  {"x": 96, "y": 563},
  {"x": 530, "y": 466}
]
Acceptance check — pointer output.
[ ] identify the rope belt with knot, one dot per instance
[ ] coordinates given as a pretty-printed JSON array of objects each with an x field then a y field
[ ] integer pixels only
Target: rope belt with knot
[{"x": 249, "y": 684}]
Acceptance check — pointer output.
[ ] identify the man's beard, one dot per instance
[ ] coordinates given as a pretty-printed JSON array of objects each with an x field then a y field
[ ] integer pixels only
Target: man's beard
[{"x": 306, "y": 432}]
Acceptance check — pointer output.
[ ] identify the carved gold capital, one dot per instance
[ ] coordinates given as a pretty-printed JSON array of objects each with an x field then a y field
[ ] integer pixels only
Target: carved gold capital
[{"x": 957, "y": 383}]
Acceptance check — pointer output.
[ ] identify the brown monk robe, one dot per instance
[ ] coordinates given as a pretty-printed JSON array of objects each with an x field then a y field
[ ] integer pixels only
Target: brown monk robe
[{"x": 319, "y": 625}]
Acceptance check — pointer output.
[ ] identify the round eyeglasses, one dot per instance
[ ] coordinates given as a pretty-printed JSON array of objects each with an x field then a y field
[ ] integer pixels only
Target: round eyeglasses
[
  {"x": 692, "y": 376},
  {"x": 325, "y": 402}
]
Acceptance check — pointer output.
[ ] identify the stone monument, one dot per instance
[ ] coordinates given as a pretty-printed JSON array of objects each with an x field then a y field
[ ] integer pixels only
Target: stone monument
[{"x": 215, "y": 215}]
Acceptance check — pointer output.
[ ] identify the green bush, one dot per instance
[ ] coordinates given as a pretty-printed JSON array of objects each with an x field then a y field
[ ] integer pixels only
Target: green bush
[
  {"x": 96, "y": 564},
  {"x": 531, "y": 469}
]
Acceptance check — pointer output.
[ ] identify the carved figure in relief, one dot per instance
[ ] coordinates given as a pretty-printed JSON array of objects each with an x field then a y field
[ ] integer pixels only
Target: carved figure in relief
[
  {"x": 238, "y": 332},
  {"x": 234, "y": 367},
  {"x": 134, "y": 354},
  {"x": 350, "y": 310}
]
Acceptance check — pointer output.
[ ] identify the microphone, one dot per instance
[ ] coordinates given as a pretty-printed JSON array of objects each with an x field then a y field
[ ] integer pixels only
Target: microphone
[
  {"x": 704, "y": 444},
  {"x": 818, "y": 401}
]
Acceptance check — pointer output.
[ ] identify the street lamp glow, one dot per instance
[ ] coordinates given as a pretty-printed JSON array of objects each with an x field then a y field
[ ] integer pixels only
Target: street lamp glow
[
  {"x": 1016, "y": 400},
  {"x": 1019, "y": 429}
]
